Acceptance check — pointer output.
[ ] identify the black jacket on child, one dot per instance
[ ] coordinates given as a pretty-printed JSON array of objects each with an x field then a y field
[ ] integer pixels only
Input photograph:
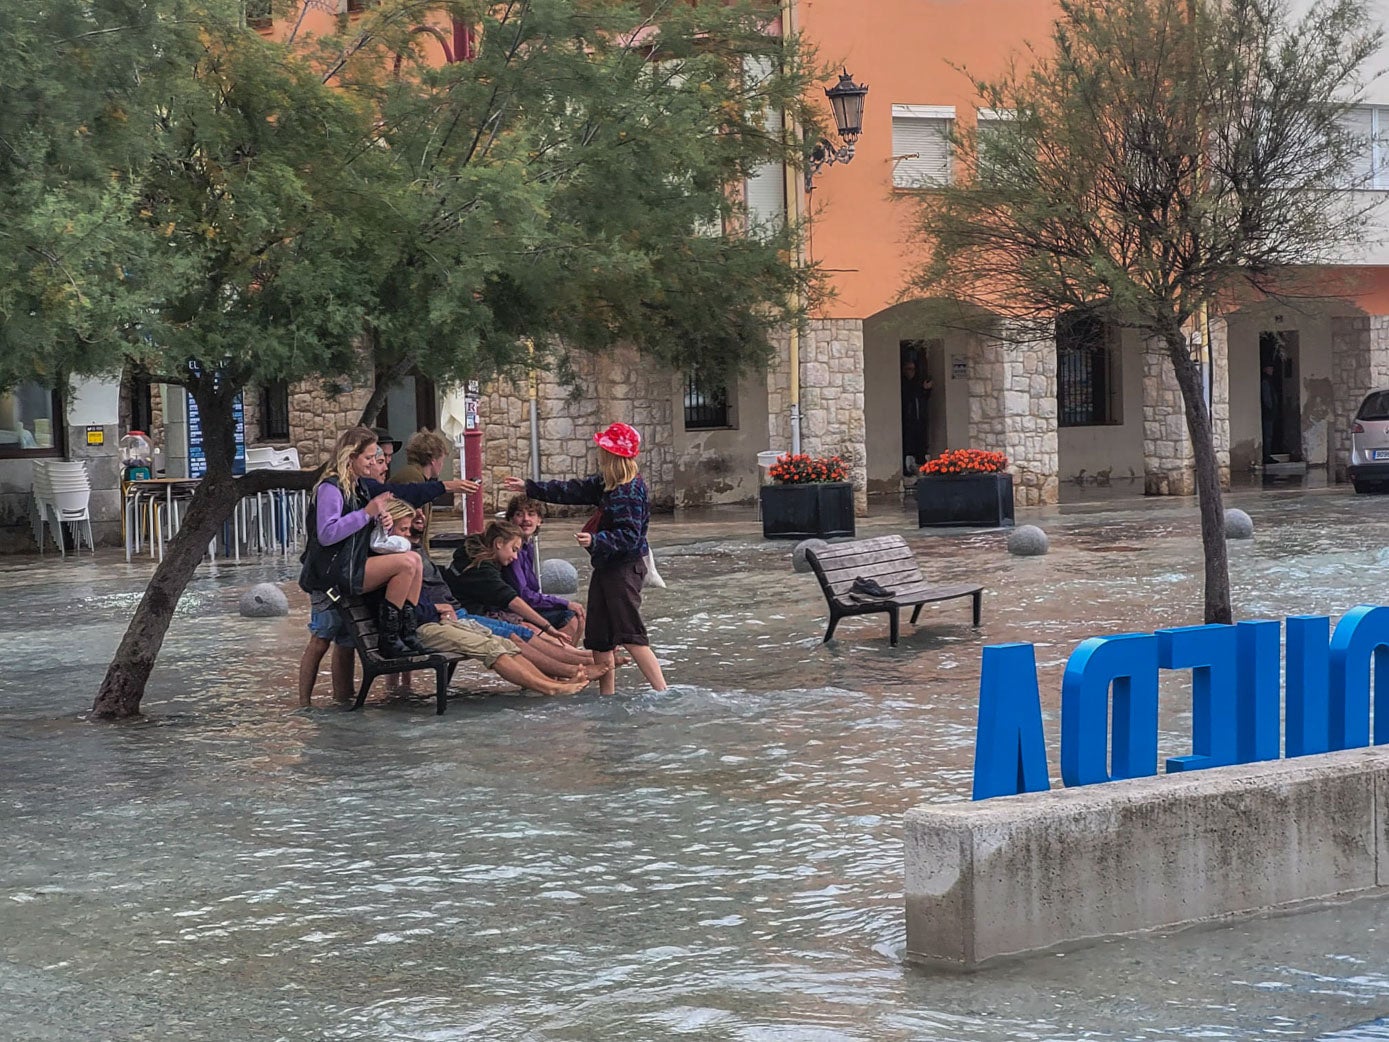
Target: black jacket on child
[{"x": 480, "y": 589}]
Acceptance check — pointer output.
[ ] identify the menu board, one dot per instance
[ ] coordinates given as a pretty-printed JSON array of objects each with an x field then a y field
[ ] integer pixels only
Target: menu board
[{"x": 197, "y": 460}]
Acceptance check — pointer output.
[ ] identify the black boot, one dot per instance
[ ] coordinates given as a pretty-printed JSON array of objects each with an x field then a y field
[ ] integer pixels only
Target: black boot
[
  {"x": 388, "y": 643},
  {"x": 408, "y": 623}
]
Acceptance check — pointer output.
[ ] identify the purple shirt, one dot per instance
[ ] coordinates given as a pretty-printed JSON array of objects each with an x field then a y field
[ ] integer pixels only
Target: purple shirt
[
  {"x": 333, "y": 525},
  {"x": 520, "y": 573}
]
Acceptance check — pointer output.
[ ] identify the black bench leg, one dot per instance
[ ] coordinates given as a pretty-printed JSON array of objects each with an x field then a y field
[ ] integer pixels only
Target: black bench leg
[
  {"x": 367, "y": 678},
  {"x": 892, "y": 625},
  {"x": 916, "y": 613},
  {"x": 978, "y": 599},
  {"x": 441, "y": 689},
  {"x": 834, "y": 621}
]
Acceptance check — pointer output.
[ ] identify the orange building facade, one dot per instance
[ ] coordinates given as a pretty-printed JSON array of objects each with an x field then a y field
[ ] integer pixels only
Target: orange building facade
[{"x": 1093, "y": 406}]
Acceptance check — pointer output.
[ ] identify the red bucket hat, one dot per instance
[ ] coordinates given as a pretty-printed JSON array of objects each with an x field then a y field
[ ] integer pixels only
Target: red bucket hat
[{"x": 620, "y": 440}]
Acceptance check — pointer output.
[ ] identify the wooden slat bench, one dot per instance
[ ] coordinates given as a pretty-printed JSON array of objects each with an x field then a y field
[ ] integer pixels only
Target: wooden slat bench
[
  {"x": 359, "y": 617},
  {"x": 888, "y": 561}
]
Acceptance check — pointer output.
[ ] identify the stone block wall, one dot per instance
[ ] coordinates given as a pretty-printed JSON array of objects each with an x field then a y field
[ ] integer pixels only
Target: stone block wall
[
  {"x": 1360, "y": 364},
  {"x": 1169, "y": 467},
  {"x": 1012, "y": 409},
  {"x": 618, "y": 387},
  {"x": 832, "y": 422}
]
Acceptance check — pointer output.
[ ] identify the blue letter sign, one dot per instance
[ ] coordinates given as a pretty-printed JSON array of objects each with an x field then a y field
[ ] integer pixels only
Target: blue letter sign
[
  {"x": 1109, "y": 700},
  {"x": 1010, "y": 753},
  {"x": 1129, "y": 662}
]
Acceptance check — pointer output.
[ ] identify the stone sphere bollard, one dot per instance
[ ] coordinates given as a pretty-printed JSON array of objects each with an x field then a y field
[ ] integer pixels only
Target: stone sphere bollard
[
  {"x": 559, "y": 576},
  {"x": 264, "y": 601},
  {"x": 1238, "y": 525},
  {"x": 798, "y": 558},
  {"x": 1027, "y": 541}
]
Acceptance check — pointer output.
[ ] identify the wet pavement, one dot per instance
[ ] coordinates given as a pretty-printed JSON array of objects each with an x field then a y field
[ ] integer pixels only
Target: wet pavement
[{"x": 722, "y": 861}]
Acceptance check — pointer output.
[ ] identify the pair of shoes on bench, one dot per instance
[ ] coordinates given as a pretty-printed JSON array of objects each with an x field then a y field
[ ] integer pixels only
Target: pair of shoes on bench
[{"x": 869, "y": 588}]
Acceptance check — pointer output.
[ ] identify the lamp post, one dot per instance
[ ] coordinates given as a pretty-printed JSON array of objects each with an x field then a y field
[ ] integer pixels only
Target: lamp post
[{"x": 846, "y": 101}]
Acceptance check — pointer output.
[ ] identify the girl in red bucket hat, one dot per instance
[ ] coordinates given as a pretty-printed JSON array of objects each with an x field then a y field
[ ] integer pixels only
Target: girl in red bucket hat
[{"x": 615, "y": 538}]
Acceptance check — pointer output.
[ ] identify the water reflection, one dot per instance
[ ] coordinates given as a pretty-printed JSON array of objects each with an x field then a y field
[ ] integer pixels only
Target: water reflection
[{"x": 720, "y": 862}]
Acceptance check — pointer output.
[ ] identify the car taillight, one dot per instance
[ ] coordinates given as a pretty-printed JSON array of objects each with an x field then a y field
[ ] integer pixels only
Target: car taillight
[{"x": 1357, "y": 428}]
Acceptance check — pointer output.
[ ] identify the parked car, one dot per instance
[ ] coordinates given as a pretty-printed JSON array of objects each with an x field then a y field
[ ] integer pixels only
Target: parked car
[{"x": 1369, "y": 444}]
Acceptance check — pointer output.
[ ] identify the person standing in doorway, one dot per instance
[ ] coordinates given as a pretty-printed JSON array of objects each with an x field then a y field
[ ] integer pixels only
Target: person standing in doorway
[
  {"x": 1269, "y": 400},
  {"x": 916, "y": 394}
]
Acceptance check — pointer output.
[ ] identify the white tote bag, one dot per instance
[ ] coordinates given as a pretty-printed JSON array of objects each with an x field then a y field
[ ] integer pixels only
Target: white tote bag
[{"x": 653, "y": 577}]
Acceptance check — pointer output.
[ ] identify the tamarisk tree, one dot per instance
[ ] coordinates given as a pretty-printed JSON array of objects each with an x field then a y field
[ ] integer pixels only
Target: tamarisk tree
[{"x": 1158, "y": 157}]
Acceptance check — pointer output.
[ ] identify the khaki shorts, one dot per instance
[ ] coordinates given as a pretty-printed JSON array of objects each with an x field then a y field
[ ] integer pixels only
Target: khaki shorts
[{"x": 466, "y": 638}]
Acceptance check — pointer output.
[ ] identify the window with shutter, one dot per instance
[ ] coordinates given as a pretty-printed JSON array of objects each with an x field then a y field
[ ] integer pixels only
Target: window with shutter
[
  {"x": 764, "y": 191},
  {"x": 921, "y": 145},
  {"x": 1369, "y": 124}
]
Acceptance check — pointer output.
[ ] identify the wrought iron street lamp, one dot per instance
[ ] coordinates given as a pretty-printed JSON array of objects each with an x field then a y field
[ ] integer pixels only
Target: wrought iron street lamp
[{"x": 846, "y": 101}]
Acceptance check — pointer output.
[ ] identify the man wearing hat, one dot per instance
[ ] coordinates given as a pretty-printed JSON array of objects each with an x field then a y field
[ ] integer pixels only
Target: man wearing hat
[{"x": 389, "y": 446}]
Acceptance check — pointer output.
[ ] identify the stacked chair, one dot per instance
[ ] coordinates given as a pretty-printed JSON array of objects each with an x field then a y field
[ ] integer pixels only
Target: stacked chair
[
  {"x": 273, "y": 521},
  {"x": 62, "y": 496}
]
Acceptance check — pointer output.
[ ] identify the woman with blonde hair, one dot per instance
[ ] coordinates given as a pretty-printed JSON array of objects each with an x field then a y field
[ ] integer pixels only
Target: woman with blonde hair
[
  {"x": 339, "y": 528},
  {"x": 615, "y": 538}
]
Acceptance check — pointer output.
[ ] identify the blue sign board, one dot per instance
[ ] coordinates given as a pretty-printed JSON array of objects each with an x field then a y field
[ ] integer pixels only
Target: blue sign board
[
  {"x": 1109, "y": 700},
  {"x": 197, "y": 460}
]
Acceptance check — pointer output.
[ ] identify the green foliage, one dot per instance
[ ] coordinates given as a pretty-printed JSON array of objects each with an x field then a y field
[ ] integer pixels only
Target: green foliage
[
  {"x": 176, "y": 188},
  {"x": 72, "y": 144},
  {"x": 1164, "y": 153},
  {"x": 571, "y": 183}
]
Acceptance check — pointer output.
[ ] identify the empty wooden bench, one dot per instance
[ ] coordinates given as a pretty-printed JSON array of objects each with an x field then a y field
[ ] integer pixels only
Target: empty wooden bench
[
  {"x": 359, "y": 616},
  {"x": 888, "y": 561}
]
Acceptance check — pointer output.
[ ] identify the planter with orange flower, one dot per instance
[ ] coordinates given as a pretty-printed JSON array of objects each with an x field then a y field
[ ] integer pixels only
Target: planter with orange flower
[
  {"x": 965, "y": 487},
  {"x": 810, "y": 498}
]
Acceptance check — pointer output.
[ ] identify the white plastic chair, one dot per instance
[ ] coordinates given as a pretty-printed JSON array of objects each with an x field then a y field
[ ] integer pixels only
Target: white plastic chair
[
  {"x": 63, "y": 489},
  {"x": 276, "y": 517}
]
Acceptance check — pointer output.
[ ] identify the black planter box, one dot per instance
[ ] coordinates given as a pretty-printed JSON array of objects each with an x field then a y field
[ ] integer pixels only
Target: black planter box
[
  {"x": 975, "y": 500},
  {"x": 816, "y": 511}
]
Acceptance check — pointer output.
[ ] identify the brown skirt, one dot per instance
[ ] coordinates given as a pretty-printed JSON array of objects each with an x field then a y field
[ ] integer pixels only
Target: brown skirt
[{"x": 614, "y": 606}]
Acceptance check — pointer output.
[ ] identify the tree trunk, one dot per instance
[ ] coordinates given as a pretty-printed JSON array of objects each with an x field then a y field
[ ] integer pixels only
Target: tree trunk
[
  {"x": 384, "y": 379},
  {"x": 126, "y": 676},
  {"x": 1211, "y": 500},
  {"x": 214, "y": 499}
]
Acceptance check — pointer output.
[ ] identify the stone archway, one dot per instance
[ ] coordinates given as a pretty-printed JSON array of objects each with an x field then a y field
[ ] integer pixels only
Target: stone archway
[
  {"x": 994, "y": 387},
  {"x": 1327, "y": 354}
]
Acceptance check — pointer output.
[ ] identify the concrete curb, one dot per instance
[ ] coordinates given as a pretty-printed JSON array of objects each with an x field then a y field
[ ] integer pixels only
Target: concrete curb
[{"x": 1023, "y": 874}]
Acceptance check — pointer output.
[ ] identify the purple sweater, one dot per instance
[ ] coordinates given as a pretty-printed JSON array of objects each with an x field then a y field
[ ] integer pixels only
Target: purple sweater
[
  {"x": 333, "y": 525},
  {"x": 520, "y": 573}
]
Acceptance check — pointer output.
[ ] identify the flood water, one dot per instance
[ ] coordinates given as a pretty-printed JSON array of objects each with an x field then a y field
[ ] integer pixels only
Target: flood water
[{"x": 722, "y": 861}]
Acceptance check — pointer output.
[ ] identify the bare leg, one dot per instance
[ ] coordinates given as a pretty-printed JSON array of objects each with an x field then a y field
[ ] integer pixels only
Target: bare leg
[
  {"x": 607, "y": 683},
  {"x": 572, "y": 630},
  {"x": 344, "y": 673},
  {"x": 645, "y": 659},
  {"x": 564, "y": 652},
  {"x": 539, "y": 655},
  {"x": 309, "y": 662},
  {"x": 518, "y": 671},
  {"x": 401, "y": 574}
]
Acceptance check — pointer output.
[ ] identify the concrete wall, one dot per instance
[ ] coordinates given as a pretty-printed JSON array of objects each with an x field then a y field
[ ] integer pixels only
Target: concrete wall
[
  {"x": 89, "y": 403},
  {"x": 1113, "y": 448},
  {"x": 720, "y": 466},
  {"x": 1022, "y": 874}
]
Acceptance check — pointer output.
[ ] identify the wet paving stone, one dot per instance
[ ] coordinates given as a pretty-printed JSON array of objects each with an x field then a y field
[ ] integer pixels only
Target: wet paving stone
[{"x": 722, "y": 861}]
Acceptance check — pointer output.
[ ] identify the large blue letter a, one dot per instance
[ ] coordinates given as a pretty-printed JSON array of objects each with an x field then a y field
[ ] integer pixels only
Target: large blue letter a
[{"x": 1010, "y": 752}]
